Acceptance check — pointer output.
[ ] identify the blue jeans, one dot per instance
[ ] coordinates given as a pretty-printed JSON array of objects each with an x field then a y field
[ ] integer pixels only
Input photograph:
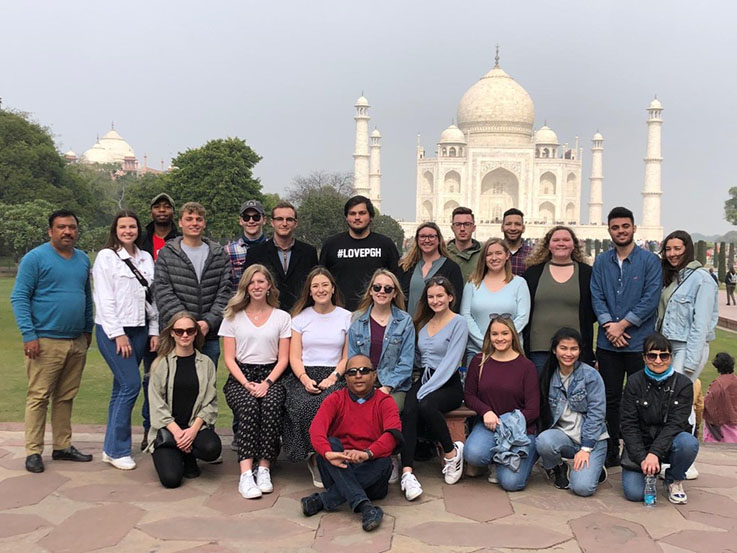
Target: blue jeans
[
  {"x": 554, "y": 445},
  {"x": 478, "y": 452},
  {"x": 126, "y": 385},
  {"x": 682, "y": 454},
  {"x": 679, "y": 357},
  {"x": 354, "y": 484},
  {"x": 539, "y": 358}
]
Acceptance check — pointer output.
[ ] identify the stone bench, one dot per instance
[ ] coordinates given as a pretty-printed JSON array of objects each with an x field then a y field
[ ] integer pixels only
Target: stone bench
[{"x": 456, "y": 421}]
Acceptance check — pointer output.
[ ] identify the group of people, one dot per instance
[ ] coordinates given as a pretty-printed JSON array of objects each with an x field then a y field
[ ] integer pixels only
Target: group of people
[{"x": 349, "y": 361}]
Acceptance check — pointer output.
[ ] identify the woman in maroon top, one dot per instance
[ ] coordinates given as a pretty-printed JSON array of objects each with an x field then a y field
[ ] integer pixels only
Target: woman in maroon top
[{"x": 501, "y": 380}]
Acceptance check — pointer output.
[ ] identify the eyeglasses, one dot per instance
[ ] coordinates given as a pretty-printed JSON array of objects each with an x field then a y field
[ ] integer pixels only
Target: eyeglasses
[
  {"x": 388, "y": 288},
  {"x": 363, "y": 370},
  {"x": 191, "y": 331},
  {"x": 426, "y": 237},
  {"x": 462, "y": 225},
  {"x": 247, "y": 217},
  {"x": 494, "y": 316},
  {"x": 655, "y": 355},
  {"x": 280, "y": 220}
]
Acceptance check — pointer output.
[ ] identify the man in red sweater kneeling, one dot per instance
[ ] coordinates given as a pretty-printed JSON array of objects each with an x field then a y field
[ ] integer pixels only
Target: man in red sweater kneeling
[{"x": 354, "y": 433}]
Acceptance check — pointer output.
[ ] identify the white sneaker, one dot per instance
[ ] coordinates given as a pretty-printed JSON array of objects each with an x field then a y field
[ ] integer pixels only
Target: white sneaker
[
  {"x": 692, "y": 473},
  {"x": 411, "y": 486},
  {"x": 122, "y": 463},
  {"x": 675, "y": 493},
  {"x": 263, "y": 480},
  {"x": 247, "y": 486},
  {"x": 394, "y": 478},
  {"x": 314, "y": 472},
  {"x": 492, "y": 474},
  {"x": 453, "y": 469}
]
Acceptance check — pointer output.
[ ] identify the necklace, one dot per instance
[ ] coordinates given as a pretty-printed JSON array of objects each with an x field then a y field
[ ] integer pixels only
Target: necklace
[
  {"x": 562, "y": 264},
  {"x": 256, "y": 315}
]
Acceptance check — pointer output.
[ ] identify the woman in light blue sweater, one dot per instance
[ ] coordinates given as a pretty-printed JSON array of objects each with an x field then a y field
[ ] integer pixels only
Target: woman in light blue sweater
[
  {"x": 441, "y": 341},
  {"x": 492, "y": 289}
]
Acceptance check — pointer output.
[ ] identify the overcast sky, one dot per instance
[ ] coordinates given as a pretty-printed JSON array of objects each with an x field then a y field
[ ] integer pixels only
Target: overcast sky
[{"x": 285, "y": 75}]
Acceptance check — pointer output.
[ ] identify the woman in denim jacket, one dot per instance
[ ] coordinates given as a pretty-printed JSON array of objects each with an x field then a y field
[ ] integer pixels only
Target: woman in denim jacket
[
  {"x": 383, "y": 331},
  {"x": 572, "y": 410},
  {"x": 688, "y": 310}
]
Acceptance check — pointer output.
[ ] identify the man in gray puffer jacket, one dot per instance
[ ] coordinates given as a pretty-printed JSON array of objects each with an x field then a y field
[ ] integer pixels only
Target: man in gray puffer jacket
[{"x": 193, "y": 274}]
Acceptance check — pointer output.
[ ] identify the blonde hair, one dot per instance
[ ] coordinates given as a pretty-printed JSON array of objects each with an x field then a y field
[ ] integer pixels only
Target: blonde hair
[
  {"x": 481, "y": 269},
  {"x": 166, "y": 341},
  {"x": 487, "y": 348},
  {"x": 193, "y": 207},
  {"x": 305, "y": 298},
  {"x": 367, "y": 300},
  {"x": 424, "y": 312},
  {"x": 414, "y": 255},
  {"x": 241, "y": 299},
  {"x": 541, "y": 253}
]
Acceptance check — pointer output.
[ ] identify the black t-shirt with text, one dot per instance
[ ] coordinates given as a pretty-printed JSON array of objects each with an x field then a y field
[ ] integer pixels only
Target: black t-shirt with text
[{"x": 352, "y": 262}]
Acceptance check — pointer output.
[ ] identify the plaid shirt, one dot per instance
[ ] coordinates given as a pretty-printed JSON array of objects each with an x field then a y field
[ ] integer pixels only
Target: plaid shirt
[
  {"x": 519, "y": 257},
  {"x": 237, "y": 250}
]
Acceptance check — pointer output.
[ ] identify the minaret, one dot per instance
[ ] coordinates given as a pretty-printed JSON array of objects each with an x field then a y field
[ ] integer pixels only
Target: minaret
[
  {"x": 597, "y": 178},
  {"x": 652, "y": 191},
  {"x": 361, "y": 183},
  {"x": 375, "y": 169}
]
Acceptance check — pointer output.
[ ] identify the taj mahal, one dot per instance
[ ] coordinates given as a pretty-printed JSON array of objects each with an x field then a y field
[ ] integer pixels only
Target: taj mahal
[{"x": 492, "y": 160}]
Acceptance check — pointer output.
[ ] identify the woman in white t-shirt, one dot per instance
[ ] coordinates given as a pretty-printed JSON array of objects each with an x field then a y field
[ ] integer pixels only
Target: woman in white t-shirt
[
  {"x": 317, "y": 355},
  {"x": 256, "y": 351}
]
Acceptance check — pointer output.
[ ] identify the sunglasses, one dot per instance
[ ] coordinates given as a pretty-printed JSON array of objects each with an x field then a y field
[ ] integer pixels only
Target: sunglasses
[
  {"x": 247, "y": 217},
  {"x": 191, "y": 331},
  {"x": 655, "y": 355},
  {"x": 363, "y": 370},
  {"x": 388, "y": 288},
  {"x": 494, "y": 316}
]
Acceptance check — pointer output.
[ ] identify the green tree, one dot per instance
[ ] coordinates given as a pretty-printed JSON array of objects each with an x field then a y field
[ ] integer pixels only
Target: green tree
[
  {"x": 730, "y": 206},
  {"x": 701, "y": 252},
  {"x": 722, "y": 267},
  {"x": 219, "y": 176},
  {"x": 270, "y": 200},
  {"x": 384, "y": 224},
  {"x": 320, "y": 215},
  {"x": 138, "y": 195},
  {"x": 24, "y": 226},
  {"x": 730, "y": 260}
]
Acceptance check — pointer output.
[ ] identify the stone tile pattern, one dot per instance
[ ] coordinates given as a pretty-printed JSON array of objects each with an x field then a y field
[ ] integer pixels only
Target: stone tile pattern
[{"x": 110, "y": 510}]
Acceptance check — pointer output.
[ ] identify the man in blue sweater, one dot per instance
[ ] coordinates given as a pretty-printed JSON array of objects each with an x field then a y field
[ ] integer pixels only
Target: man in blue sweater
[
  {"x": 626, "y": 282},
  {"x": 52, "y": 303}
]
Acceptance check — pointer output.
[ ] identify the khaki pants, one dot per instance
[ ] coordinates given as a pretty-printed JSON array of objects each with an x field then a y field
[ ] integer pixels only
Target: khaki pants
[{"x": 55, "y": 374}]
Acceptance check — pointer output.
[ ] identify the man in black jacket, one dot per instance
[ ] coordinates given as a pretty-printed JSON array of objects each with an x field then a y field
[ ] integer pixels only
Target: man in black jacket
[
  {"x": 159, "y": 231},
  {"x": 193, "y": 274},
  {"x": 288, "y": 259}
]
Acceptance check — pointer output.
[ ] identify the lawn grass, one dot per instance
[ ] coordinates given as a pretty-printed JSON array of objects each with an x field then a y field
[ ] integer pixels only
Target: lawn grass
[{"x": 92, "y": 402}]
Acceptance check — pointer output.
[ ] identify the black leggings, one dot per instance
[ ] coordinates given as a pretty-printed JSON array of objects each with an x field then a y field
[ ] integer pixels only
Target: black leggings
[
  {"x": 429, "y": 412},
  {"x": 613, "y": 366},
  {"x": 170, "y": 461}
]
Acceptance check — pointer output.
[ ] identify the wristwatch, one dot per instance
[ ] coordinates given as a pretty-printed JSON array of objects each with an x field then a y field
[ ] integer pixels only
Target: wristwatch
[
  {"x": 269, "y": 382},
  {"x": 368, "y": 452},
  {"x": 586, "y": 449},
  {"x": 337, "y": 374}
]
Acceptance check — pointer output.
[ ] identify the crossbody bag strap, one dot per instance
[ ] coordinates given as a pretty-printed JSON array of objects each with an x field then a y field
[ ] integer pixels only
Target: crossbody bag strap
[{"x": 141, "y": 279}]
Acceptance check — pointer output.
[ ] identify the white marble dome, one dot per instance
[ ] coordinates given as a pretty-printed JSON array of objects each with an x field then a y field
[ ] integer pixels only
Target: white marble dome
[
  {"x": 362, "y": 101},
  {"x": 376, "y": 134},
  {"x": 452, "y": 135},
  {"x": 118, "y": 148},
  {"x": 96, "y": 154},
  {"x": 546, "y": 135},
  {"x": 598, "y": 136},
  {"x": 655, "y": 104},
  {"x": 497, "y": 104}
]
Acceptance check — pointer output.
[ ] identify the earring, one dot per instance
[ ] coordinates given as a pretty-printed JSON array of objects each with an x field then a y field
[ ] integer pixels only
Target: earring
[{"x": 268, "y": 293}]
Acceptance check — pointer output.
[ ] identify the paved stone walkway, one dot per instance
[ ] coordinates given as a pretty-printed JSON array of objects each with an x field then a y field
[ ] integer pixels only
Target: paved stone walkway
[{"x": 80, "y": 507}]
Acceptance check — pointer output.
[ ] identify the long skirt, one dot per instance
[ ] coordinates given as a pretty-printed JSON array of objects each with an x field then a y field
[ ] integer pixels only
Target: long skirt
[{"x": 300, "y": 408}]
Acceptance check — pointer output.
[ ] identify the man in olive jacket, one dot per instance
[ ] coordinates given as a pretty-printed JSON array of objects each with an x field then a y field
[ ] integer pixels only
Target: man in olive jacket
[{"x": 193, "y": 274}]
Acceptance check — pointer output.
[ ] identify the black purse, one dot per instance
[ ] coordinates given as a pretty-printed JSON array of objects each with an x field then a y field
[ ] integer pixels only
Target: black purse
[{"x": 164, "y": 439}]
